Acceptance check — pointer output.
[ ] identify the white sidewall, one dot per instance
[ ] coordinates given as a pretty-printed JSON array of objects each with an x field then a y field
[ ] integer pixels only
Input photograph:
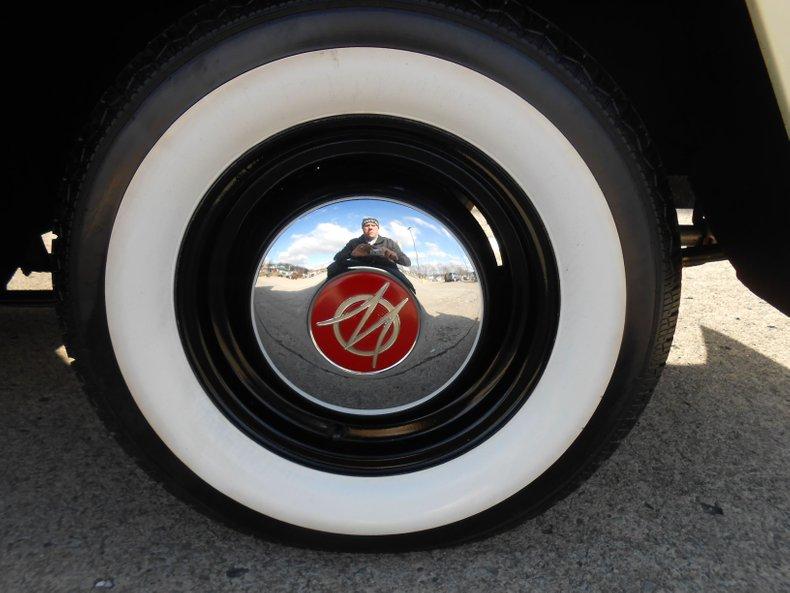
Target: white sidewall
[{"x": 211, "y": 135}]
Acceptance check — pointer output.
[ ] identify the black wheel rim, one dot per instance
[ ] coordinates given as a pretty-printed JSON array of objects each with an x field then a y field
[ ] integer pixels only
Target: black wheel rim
[{"x": 330, "y": 159}]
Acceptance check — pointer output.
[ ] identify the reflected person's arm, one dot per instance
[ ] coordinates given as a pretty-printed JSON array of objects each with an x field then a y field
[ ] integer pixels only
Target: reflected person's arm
[
  {"x": 345, "y": 253},
  {"x": 403, "y": 259}
]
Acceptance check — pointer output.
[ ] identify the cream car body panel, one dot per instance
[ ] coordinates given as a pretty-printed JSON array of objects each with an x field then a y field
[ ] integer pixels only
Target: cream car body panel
[{"x": 771, "y": 21}]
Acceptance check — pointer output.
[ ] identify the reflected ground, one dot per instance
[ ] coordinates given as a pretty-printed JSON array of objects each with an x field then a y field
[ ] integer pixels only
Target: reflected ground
[{"x": 449, "y": 327}]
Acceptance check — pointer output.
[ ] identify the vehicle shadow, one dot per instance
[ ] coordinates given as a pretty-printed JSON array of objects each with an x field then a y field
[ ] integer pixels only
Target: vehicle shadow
[{"x": 695, "y": 498}]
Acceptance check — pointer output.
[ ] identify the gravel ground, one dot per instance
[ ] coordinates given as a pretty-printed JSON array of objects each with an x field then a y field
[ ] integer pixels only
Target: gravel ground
[{"x": 696, "y": 499}]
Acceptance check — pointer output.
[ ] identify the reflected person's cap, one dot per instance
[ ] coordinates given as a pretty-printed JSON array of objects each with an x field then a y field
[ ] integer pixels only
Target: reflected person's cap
[{"x": 370, "y": 221}]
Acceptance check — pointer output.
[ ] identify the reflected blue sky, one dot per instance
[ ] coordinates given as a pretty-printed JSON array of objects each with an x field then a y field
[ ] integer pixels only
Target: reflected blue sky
[{"x": 313, "y": 239}]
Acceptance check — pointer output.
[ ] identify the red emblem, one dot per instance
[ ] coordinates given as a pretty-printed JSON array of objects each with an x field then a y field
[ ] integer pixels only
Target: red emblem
[{"x": 364, "y": 321}]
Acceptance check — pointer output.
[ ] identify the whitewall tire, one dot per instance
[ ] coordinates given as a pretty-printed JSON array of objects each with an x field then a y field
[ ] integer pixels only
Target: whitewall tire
[{"x": 233, "y": 88}]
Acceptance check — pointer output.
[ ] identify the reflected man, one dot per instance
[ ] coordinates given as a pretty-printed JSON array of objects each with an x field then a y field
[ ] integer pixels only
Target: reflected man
[{"x": 371, "y": 249}]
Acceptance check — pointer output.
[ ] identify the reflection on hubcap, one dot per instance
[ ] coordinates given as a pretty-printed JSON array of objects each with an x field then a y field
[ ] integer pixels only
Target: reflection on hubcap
[
  {"x": 379, "y": 336},
  {"x": 365, "y": 333}
]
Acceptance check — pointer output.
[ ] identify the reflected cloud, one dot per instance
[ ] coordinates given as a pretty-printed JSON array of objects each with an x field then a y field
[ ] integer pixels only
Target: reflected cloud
[
  {"x": 309, "y": 245},
  {"x": 314, "y": 248},
  {"x": 428, "y": 225},
  {"x": 398, "y": 231}
]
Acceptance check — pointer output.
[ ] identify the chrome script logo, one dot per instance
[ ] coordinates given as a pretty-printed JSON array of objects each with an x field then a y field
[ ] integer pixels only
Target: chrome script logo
[{"x": 364, "y": 321}]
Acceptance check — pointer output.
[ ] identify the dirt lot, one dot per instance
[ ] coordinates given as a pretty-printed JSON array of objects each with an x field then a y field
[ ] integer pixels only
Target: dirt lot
[{"x": 696, "y": 499}]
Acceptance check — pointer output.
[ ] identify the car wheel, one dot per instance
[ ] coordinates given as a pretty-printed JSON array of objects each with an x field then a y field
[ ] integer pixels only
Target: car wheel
[{"x": 236, "y": 125}]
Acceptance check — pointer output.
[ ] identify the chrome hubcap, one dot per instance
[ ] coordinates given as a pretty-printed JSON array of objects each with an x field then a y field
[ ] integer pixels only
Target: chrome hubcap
[{"x": 362, "y": 342}]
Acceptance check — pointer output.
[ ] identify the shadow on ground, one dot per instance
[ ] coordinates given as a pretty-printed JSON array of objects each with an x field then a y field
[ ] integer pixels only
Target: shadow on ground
[{"x": 696, "y": 498}]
